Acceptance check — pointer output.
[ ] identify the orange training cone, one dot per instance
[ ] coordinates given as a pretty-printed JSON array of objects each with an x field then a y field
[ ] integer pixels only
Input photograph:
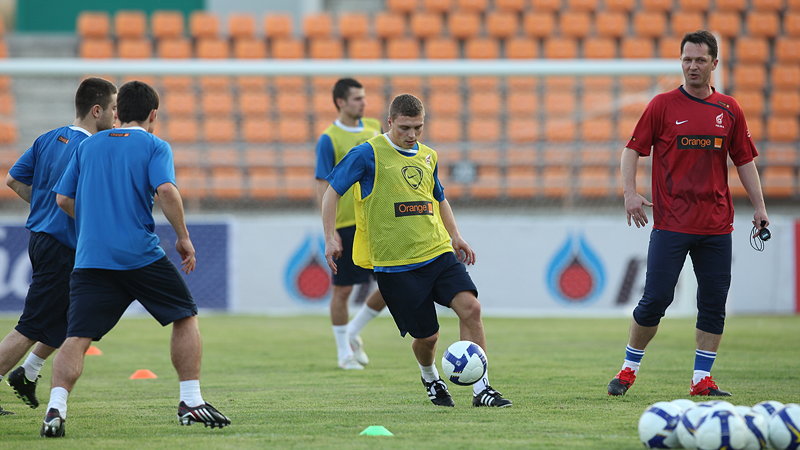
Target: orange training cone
[
  {"x": 142, "y": 374},
  {"x": 94, "y": 351}
]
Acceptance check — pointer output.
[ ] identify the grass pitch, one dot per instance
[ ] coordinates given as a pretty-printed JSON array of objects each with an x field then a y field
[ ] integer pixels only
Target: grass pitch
[{"x": 276, "y": 378}]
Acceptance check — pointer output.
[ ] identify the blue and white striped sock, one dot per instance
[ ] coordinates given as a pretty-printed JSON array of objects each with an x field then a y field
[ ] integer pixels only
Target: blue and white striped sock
[
  {"x": 633, "y": 357},
  {"x": 703, "y": 360}
]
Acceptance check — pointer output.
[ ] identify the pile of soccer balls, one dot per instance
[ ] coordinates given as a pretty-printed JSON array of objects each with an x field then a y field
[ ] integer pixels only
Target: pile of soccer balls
[{"x": 720, "y": 425}]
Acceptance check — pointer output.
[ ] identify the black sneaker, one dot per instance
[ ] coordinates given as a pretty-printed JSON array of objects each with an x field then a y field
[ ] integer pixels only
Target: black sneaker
[
  {"x": 437, "y": 392},
  {"x": 24, "y": 388},
  {"x": 490, "y": 397},
  {"x": 4, "y": 412},
  {"x": 205, "y": 414},
  {"x": 53, "y": 425}
]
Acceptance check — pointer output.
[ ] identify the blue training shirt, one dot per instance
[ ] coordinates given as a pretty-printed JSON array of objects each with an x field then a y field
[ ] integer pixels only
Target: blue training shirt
[
  {"x": 40, "y": 167},
  {"x": 358, "y": 166},
  {"x": 326, "y": 155},
  {"x": 113, "y": 177}
]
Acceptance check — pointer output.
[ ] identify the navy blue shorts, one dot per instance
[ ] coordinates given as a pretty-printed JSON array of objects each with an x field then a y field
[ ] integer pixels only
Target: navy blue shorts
[
  {"x": 411, "y": 295},
  {"x": 99, "y": 297},
  {"x": 44, "y": 316},
  {"x": 349, "y": 274},
  {"x": 711, "y": 258}
]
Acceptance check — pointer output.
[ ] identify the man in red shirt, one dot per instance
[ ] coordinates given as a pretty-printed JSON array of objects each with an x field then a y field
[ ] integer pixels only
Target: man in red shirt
[{"x": 690, "y": 133}]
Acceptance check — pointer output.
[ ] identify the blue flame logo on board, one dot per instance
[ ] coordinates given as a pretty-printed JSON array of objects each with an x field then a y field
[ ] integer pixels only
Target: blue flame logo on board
[
  {"x": 575, "y": 275},
  {"x": 307, "y": 277}
]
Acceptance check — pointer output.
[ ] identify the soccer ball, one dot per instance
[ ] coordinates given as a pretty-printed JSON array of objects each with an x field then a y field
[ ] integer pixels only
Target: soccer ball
[
  {"x": 657, "y": 425},
  {"x": 722, "y": 429},
  {"x": 683, "y": 403},
  {"x": 464, "y": 363},
  {"x": 784, "y": 427},
  {"x": 767, "y": 408},
  {"x": 689, "y": 421},
  {"x": 759, "y": 428}
]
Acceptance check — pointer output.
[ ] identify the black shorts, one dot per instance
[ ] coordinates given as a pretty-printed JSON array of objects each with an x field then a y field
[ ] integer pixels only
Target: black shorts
[
  {"x": 99, "y": 297},
  {"x": 44, "y": 316},
  {"x": 411, "y": 295},
  {"x": 349, "y": 274}
]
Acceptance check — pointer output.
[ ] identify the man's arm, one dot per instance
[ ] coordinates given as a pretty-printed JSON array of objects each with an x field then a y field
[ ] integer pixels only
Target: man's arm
[
  {"x": 169, "y": 198},
  {"x": 22, "y": 189},
  {"x": 321, "y": 187},
  {"x": 748, "y": 174},
  {"x": 333, "y": 243},
  {"x": 67, "y": 204},
  {"x": 464, "y": 252},
  {"x": 633, "y": 201}
]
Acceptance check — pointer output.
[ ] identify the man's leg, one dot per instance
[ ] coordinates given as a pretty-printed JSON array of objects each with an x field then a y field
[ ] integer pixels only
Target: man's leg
[
  {"x": 425, "y": 352},
  {"x": 12, "y": 349},
  {"x": 339, "y": 318},
  {"x": 67, "y": 368},
  {"x": 371, "y": 308}
]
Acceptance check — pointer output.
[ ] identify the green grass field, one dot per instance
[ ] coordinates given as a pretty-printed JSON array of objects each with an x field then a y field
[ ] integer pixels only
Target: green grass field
[{"x": 277, "y": 380}]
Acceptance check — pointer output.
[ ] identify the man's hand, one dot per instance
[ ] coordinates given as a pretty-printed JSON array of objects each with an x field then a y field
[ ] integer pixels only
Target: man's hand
[
  {"x": 634, "y": 207},
  {"x": 186, "y": 250},
  {"x": 333, "y": 250},
  {"x": 464, "y": 252}
]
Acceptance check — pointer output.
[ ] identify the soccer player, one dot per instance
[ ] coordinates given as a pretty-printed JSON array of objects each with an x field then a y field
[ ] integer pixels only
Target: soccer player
[
  {"x": 406, "y": 232},
  {"x": 690, "y": 133},
  {"x": 51, "y": 247},
  {"x": 350, "y": 129},
  {"x": 108, "y": 186}
]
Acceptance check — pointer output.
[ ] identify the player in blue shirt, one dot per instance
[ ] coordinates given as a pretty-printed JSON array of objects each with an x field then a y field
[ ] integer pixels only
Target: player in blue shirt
[
  {"x": 109, "y": 187},
  {"x": 51, "y": 248}
]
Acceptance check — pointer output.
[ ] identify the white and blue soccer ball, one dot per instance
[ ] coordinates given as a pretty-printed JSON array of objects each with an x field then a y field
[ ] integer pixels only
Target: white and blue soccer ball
[
  {"x": 464, "y": 363},
  {"x": 722, "y": 429},
  {"x": 657, "y": 425},
  {"x": 784, "y": 427},
  {"x": 689, "y": 421},
  {"x": 759, "y": 431},
  {"x": 683, "y": 403},
  {"x": 767, "y": 408}
]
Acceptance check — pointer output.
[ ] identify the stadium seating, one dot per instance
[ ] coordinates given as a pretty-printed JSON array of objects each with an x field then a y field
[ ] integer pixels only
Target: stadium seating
[{"x": 529, "y": 137}]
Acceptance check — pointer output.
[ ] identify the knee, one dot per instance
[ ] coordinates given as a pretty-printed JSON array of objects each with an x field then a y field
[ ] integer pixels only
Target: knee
[
  {"x": 468, "y": 308},
  {"x": 711, "y": 320},
  {"x": 430, "y": 341},
  {"x": 341, "y": 294},
  {"x": 648, "y": 315}
]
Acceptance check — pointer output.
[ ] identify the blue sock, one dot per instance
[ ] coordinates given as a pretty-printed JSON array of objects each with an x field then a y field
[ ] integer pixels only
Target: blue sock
[
  {"x": 633, "y": 357},
  {"x": 703, "y": 360}
]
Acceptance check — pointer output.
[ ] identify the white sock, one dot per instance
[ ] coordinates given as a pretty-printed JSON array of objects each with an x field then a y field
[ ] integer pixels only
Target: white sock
[
  {"x": 343, "y": 350},
  {"x": 699, "y": 375},
  {"x": 190, "y": 393},
  {"x": 32, "y": 365},
  {"x": 58, "y": 400},
  {"x": 362, "y": 317},
  {"x": 634, "y": 366},
  {"x": 481, "y": 384},
  {"x": 429, "y": 373}
]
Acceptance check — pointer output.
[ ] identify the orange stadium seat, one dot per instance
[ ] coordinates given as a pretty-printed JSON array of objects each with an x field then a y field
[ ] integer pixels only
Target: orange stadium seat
[
  {"x": 484, "y": 129},
  {"x": 241, "y": 26},
  {"x": 600, "y": 47},
  {"x": 402, "y": 6},
  {"x": 589, "y": 6},
  {"x": 783, "y": 128},
  {"x": 779, "y": 181},
  {"x": 546, "y": 5},
  {"x": 325, "y": 48},
  {"x": 261, "y": 156},
  {"x": 683, "y": 22},
  {"x": 476, "y": 6},
  {"x": 317, "y": 25},
  {"x": 488, "y": 185},
  {"x": 597, "y": 129},
  {"x": 783, "y": 76},
  {"x": 389, "y": 25},
  {"x": 134, "y": 48},
  {"x": 755, "y": 126},
  {"x": 292, "y": 104},
  {"x": 219, "y": 130},
  {"x": 426, "y": 24},
  {"x": 93, "y": 25},
  {"x": 560, "y": 48},
  {"x": 558, "y": 155},
  {"x": 463, "y": 24},
  {"x": 443, "y": 84},
  {"x": 256, "y": 104},
  {"x": 522, "y": 103},
  {"x": 263, "y": 183},
  {"x": 287, "y": 48},
  {"x": 521, "y": 48},
  {"x": 620, "y": 5},
  {"x": 192, "y": 182},
  {"x": 650, "y": 24},
  {"x": 749, "y": 76},
  {"x": 777, "y": 154},
  {"x": 734, "y": 184},
  {"x": 727, "y": 24},
  {"x": 353, "y": 25},
  {"x": 763, "y": 24},
  {"x": 752, "y": 101},
  {"x": 657, "y": 5},
  {"x": 521, "y": 182},
  {"x": 166, "y": 24},
  {"x": 438, "y": 6},
  {"x": 227, "y": 183},
  {"x": 188, "y": 156},
  {"x": 598, "y": 154},
  {"x": 787, "y": 49},
  {"x": 292, "y": 130},
  {"x": 299, "y": 186},
  {"x": 730, "y": 5},
  {"x": 613, "y": 24},
  {"x": 785, "y": 102},
  {"x": 130, "y": 24},
  {"x": 443, "y": 103},
  {"x": 522, "y": 155},
  {"x": 539, "y": 24},
  {"x": 444, "y": 129},
  {"x": 669, "y": 47},
  {"x": 6, "y": 104},
  {"x": 278, "y": 26},
  {"x": 96, "y": 48},
  {"x": 516, "y": 6},
  {"x": 179, "y": 104},
  {"x": 203, "y": 24},
  {"x": 485, "y": 103},
  {"x": 294, "y": 157},
  {"x": 752, "y": 50},
  {"x": 364, "y": 48},
  {"x": 178, "y": 48},
  {"x": 694, "y": 5},
  {"x": 767, "y": 5},
  {"x": 485, "y": 157},
  {"x": 637, "y": 48},
  {"x": 402, "y": 84},
  {"x": 576, "y": 24},
  {"x": 561, "y": 130},
  {"x": 402, "y": 48},
  {"x": 594, "y": 182},
  {"x": 222, "y": 156},
  {"x": 502, "y": 24},
  {"x": 217, "y": 104},
  {"x": 8, "y": 133},
  {"x": 556, "y": 181},
  {"x": 793, "y": 5},
  {"x": 183, "y": 130},
  {"x": 520, "y": 130},
  {"x": 212, "y": 48},
  {"x": 482, "y": 48},
  {"x": 791, "y": 23},
  {"x": 249, "y": 48},
  {"x": 288, "y": 84}
]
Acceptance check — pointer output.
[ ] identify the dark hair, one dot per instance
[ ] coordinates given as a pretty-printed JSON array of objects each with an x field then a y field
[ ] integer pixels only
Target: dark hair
[
  {"x": 702, "y": 37},
  {"x": 406, "y": 105},
  {"x": 93, "y": 91},
  {"x": 342, "y": 88},
  {"x": 135, "y": 101}
]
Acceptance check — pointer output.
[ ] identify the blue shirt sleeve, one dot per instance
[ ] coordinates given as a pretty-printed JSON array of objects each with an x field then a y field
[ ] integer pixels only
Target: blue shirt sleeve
[
  {"x": 358, "y": 165},
  {"x": 325, "y": 157},
  {"x": 161, "y": 169},
  {"x": 23, "y": 169},
  {"x": 438, "y": 189},
  {"x": 67, "y": 185}
]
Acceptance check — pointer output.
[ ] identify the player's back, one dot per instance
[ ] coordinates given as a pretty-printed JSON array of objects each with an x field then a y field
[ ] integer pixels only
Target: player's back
[{"x": 41, "y": 166}]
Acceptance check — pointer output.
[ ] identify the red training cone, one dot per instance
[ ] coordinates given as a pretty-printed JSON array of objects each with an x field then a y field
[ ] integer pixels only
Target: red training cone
[
  {"x": 94, "y": 351},
  {"x": 142, "y": 374}
]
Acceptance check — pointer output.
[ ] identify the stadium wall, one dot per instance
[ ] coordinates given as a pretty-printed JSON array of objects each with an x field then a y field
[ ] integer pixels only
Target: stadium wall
[{"x": 539, "y": 265}]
